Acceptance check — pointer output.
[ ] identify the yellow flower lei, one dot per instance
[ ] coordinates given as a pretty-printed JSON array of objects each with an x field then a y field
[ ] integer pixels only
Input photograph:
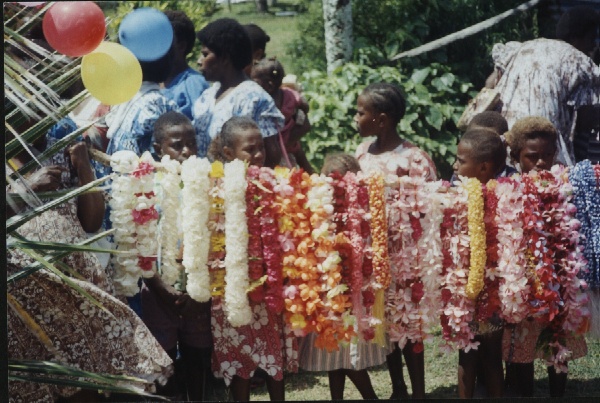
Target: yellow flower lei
[
  {"x": 217, "y": 239},
  {"x": 477, "y": 238}
]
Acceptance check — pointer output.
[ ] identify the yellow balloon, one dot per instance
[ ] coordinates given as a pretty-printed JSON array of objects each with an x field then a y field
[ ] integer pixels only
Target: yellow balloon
[{"x": 111, "y": 73}]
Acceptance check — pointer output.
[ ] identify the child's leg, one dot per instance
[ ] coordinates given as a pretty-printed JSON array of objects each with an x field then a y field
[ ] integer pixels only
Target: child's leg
[
  {"x": 240, "y": 389},
  {"x": 337, "y": 381},
  {"x": 519, "y": 377},
  {"x": 195, "y": 370},
  {"x": 276, "y": 389},
  {"x": 557, "y": 381},
  {"x": 415, "y": 362},
  {"x": 394, "y": 364},
  {"x": 362, "y": 381},
  {"x": 491, "y": 356},
  {"x": 467, "y": 364}
]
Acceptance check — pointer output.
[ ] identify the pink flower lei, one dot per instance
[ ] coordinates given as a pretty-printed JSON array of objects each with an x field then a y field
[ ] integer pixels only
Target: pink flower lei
[{"x": 457, "y": 308}]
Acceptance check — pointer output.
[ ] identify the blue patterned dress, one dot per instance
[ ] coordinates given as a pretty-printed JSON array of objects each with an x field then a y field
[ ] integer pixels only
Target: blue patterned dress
[{"x": 185, "y": 89}]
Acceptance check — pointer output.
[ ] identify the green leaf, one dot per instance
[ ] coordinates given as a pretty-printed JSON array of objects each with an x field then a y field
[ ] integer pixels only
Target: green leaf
[
  {"x": 435, "y": 118},
  {"x": 418, "y": 76}
]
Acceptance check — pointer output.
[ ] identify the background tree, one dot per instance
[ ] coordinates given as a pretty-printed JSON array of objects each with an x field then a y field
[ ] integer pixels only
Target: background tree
[{"x": 337, "y": 19}]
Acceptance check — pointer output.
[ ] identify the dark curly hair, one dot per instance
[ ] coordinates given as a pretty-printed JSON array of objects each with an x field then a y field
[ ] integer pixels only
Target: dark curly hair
[
  {"x": 258, "y": 37},
  {"x": 227, "y": 38},
  {"x": 167, "y": 120},
  {"x": 486, "y": 146},
  {"x": 228, "y": 135},
  {"x": 269, "y": 68},
  {"x": 491, "y": 120},
  {"x": 386, "y": 98},
  {"x": 340, "y": 163},
  {"x": 529, "y": 128},
  {"x": 576, "y": 23},
  {"x": 183, "y": 28}
]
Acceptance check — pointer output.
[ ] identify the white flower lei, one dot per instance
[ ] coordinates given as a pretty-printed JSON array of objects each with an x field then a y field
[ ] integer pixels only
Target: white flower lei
[
  {"x": 146, "y": 242},
  {"x": 169, "y": 234},
  {"x": 237, "y": 305},
  {"x": 512, "y": 261},
  {"x": 122, "y": 201},
  {"x": 196, "y": 236}
]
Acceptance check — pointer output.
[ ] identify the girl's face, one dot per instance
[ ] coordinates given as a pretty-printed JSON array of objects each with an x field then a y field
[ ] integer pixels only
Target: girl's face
[
  {"x": 537, "y": 154},
  {"x": 365, "y": 118},
  {"x": 263, "y": 79},
  {"x": 179, "y": 143},
  {"x": 248, "y": 146},
  {"x": 209, "y": 64}
]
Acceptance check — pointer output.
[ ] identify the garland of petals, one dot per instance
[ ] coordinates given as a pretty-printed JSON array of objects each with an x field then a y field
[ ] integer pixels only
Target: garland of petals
[
  {"x": 237, "y": 306},
  {"x": 255, "y": 246},
  {"x": 270, "y": 241},
  {"x": 169, "y": 234},
  {"x": 477, "y": 240},
  {"x": 122, "y": 202},
  {"x": 380, "y": 257},
  {"x": 216, "y": 226},
  {"x": 457, "y": 311},
  {"x": 195, "y": 205},
  {"x": 512, "y": 263}
]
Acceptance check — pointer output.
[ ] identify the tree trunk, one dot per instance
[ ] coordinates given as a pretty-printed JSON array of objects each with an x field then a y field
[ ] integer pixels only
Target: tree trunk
[
  {"x": 337, "y": 15},
  {"x": 262, "y": 6}
]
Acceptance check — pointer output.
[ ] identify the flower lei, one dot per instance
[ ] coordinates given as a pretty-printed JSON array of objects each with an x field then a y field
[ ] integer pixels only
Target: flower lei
[
  {"x": 270, "y": 241},
  {"x": 512, "y": 263},
  {"x": 216, "y": 227},
  {"x": 302, "y": 288},
  {"x": 255, "y": 246},
  {"x": 237, "y": 306},
  {"x": 380, "y": 259},
  {"x": 169, "y": 234},
  {"x": 330, "y": 326},
  {"x": 404, "y": 313},
  {"x": 457, "y": 308},
  {"x": 476, "y": 238},
  {"x": 196, "y": 236},
  {"x": 122, "y": 203}
]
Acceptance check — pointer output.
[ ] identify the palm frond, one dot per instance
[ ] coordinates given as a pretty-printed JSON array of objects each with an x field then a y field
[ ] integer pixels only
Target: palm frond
[
  {"x": 15, "y": 222},
  {"x": 61, "y": 247}
]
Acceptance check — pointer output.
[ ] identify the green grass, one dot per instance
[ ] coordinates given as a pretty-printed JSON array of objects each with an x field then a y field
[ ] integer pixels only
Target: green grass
[
  {"x": 282, "y": 30},
  {"x": 440, "y": 379}
]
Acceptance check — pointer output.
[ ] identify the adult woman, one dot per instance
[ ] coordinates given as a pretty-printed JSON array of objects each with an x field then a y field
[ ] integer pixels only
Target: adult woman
[
  {"x": 112, "y": 340},
  {"x": 226, "y": 51}
]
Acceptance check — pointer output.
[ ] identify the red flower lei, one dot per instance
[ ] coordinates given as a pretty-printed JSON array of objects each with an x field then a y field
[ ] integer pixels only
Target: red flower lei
[{"x": 255, "y": 247}]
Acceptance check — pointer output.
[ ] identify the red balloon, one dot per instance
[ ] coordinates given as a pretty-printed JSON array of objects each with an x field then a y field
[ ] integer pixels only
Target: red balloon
[{"x": 74, "y": 28}]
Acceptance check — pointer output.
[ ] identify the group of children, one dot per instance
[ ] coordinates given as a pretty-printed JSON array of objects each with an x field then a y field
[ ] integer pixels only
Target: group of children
[{"x": 482, "y": 154}]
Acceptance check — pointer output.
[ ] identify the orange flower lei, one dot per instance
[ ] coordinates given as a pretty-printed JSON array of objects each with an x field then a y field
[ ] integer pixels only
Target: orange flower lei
[
  {"x": 381, "y": 265},
  {"x": 216, "y": 224},
  {"x": 477, "y": 239}
]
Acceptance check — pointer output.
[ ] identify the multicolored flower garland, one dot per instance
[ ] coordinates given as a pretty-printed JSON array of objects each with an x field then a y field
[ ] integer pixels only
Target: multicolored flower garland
[{"x": 476, "y": 238}]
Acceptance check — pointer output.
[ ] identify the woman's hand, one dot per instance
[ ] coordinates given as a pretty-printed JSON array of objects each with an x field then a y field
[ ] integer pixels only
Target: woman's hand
[{"x": 46, "y": 179}]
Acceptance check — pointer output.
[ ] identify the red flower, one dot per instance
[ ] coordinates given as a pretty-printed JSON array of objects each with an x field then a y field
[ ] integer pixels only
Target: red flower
[
  {"x": 368, "y": 298},
  {"x": 418, "y": 347},
  {"x": 141, "y": 217},
  {"x": 417, "y": 292},
  {"x": 144, "y": 168},
  {"x": 146, "y": 263}
]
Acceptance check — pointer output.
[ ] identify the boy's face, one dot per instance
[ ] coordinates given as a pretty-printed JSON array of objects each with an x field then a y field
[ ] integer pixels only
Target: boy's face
[
  {"x": 466, "y": 165},
  {"x": 179, "y": 143},
  {"x": 537, "y": 154},
  {"x": 249, "y": 146}
]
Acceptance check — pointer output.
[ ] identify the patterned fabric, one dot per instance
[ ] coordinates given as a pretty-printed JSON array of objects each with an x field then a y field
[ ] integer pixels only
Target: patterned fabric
[
  {"x": 406, "y": 159},
  {"x": 185, "y": 89},
  {"x": 131, "y": 124},
  {"x": 548, "y": 78},
  {"x": 519, "y": 343},
  {"x": 247, "y": 99},
  {"x": 114, "y": 341},
  {"x": 358, "y": 356},
  {"x": 265, "y": 343}
]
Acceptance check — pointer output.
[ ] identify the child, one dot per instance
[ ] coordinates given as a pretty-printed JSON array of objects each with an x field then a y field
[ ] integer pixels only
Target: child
[
  {"x": 489, "y": 120},
  {"x": 482, "y": 155},
  {"x": 533, "y": 147},
  {"x": 179, "y": 323},
  {"x": 268, "y": 73},
  {"x": 338, "y": 364},
  {"x": 380, "y": 107},
  {"x": 240, "y": 351}
]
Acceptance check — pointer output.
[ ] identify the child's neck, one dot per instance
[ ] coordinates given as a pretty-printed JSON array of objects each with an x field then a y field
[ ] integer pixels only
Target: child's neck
[{"x": 386, "y": 141}]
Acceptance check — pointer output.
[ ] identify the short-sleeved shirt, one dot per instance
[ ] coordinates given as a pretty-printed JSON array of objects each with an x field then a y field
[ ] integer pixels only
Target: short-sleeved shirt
[
  {"x": 548, "y": 78},
  {"x": 131, "y": 124},
  {"x": 406, "y": 159},
  {"x": 247, "y": 99},
  {"x": 185, "y": 89}
]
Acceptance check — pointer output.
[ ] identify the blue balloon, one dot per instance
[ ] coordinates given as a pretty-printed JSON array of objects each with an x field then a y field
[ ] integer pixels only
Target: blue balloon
[{"x": 147, "y": 33}]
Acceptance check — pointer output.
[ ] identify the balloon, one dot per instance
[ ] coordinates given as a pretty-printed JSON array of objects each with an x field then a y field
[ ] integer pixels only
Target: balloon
[
  {"x": 147, "y": 32},
  {"x": 74, "y": 28},
  {"x": 111, "y": 73}
]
